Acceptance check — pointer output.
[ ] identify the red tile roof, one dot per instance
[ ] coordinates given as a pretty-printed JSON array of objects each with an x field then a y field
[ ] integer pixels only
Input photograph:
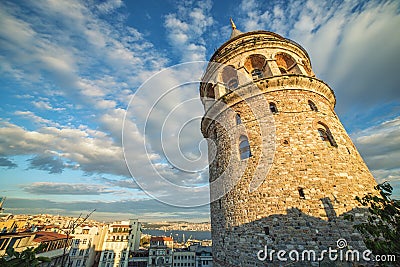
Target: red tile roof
[{"x": 48, "y": 236}]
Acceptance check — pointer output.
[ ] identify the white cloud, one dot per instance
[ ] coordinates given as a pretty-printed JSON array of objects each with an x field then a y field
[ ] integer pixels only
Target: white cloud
[
  {"x": 110, "y": 5},
  {"x": 45, "y": 105},
  {"x": 75, "y": 56},
  {"x": 92, "y": 155},
  {"x": 34, "y": 118},
  {"x": 186, "y": 29},
  {"x": 78, "y": 67},
  {"x": 161, "y": 146}
]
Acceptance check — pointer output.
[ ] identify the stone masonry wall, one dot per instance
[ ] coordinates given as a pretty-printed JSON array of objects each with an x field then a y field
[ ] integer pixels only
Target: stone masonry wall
[{"x": 329, "y": 176}]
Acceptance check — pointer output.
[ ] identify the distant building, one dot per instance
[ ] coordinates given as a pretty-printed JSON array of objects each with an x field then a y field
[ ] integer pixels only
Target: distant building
[
  {"x": 160, "y": 251},
  {"x": 11, "y": 226},
  {"x": 53, "y": 245},
  {"x": 18, "y": 241},
  {"x": 204, "y": 256},
  {"x": 184, "y": 258},
  {"x": 138, "y": 258},
  {"x": 86, "y": 242},
  {"x": 120, "y": 240}
]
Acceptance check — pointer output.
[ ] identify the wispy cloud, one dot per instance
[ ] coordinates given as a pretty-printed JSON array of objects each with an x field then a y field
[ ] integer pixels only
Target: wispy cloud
[
  {"x": 73, "y": 58},
  {"x": 50, "y": 188},
  {"x": 124, "y": 183},
  {"x": 380, "y": 145},
  {"x": 186, "y": 28},
  {"x": 45, "y": 105},
  {"x": 91, "y": 151},
  {"x": 36, "y": 119},
  {"x": 109, "y": 6},
  {"x": 47, "y": 163}
]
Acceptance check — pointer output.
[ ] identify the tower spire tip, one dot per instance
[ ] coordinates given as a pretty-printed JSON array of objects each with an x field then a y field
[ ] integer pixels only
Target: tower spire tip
[{"x": 232, "y": 24}]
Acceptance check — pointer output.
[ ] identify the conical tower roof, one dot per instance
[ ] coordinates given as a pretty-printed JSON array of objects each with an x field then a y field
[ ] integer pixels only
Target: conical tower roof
[{"x": 235, "y": 31}]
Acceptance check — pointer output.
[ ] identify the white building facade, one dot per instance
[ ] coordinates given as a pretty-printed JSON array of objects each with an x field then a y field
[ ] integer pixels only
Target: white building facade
[
  {"x": 87, "y": 240},
  {"x": 121, "y": 238},
  {"x": 184, "y": 258}
]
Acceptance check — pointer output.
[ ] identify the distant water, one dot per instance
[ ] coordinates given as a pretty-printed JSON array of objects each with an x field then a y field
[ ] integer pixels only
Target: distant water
[{"x": 178, "y": 235}]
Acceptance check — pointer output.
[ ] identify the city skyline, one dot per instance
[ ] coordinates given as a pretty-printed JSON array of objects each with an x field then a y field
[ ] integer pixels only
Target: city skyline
[{"x": 70, "y": 70}]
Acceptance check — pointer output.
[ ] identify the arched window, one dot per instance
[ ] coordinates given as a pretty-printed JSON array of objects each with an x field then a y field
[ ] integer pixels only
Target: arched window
[
  {"x": 238, "y": 119},
  {"x": 326, "y": 135},
  {"x": 257, "y": 74},
  {"x": 244, "y": 147},
  {"x": 230, "y": 77},
  {"x": 287, "y": 64},
  {"x": 257, "y": 66},
  {"x": 273, "y": 107},
  {"x": 312, "y": 105}
]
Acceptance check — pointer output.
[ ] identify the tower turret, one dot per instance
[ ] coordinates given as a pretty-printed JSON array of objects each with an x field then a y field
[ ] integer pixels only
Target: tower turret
[{"x": 283, "y": 171}]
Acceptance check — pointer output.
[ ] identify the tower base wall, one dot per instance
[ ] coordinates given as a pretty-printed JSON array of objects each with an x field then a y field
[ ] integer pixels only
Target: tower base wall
[{"x": 293, "y": 239}]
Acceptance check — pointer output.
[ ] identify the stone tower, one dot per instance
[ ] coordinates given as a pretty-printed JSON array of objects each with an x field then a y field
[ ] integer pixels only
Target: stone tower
[{"x": 283, "y": 171}]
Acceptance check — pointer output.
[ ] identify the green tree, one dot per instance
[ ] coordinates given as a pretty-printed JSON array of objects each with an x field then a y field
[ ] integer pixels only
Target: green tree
[
  {"x": 381, "y": 231},
  {"x": 26, "y": 258}
]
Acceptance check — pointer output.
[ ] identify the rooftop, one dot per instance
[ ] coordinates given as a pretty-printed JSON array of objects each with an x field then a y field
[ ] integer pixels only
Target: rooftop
[
  {"x": 48, "y": 236},
  {"x": 161, "y": 238}
]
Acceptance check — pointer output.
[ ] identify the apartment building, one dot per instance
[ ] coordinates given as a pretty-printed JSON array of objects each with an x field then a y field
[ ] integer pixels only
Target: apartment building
[
  {"x": 160, "y": 251},
  {"x": 121, "y": 238},
  {"x": 86, "y": 245}
]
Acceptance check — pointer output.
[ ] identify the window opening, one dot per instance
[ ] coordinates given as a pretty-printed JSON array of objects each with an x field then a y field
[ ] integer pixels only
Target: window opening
[
  {"x": 233, "y": 83},
  {"x": 244, "y": 147},
  {"x": 238, "y": 119},
  {"x": 273, "y": 108},
  {"x": 257, "y": 74},
  {"x": 301, "y": 193}
]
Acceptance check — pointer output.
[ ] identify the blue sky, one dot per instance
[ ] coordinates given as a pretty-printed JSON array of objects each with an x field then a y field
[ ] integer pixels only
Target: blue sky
[{"x": 69, "y": 70}]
